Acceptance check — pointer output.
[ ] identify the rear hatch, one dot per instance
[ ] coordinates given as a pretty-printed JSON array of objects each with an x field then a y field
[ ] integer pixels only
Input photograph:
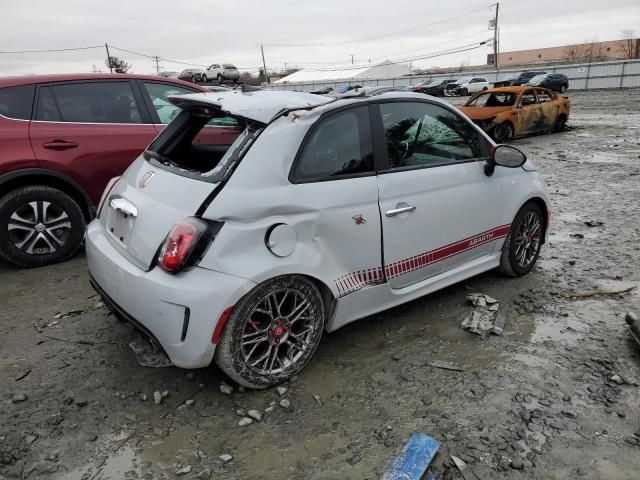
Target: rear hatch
[
  {"x": 137, "y": 215},
  {"x": 185, "y": 165}
]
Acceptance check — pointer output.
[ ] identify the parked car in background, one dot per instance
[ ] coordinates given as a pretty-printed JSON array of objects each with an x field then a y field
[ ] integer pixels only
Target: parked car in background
[
  {"x": 170, "y": 74},
  {"x": 63, "y": 137},
  {"x": 553, "y": 81},
  {"x": 518, "y": 79},
  {"x": 222, "y": 72},
  {"x": 246, "y": 257},
  {"x": 508, "y": 112},
  {"x": 435, "y": 87},
  {"x": 193, "y": 75},
  {"x": 466, "y": 85}
]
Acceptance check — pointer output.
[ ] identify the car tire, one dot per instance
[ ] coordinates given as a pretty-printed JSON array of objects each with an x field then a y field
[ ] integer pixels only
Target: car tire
[
  {"x": 39, "y": 226},
  {"x": 503, "y": 132},
  {"x": 464, "y": 92},
  {"x": 561, "y": 123},
  {"x": 563, "y": 89},
  {"x": 194, "y": 79},
  {"x": 204, "y": 78},
  {"x": 484, "y": 89},
  {"x": 265, "y": 313},
  {"x": 220, "y": 79},
  {"x": 522, "y": 246}
]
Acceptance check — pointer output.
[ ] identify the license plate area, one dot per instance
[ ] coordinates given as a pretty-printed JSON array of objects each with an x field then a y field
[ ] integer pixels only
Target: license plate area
[{"x": 120, "y": 225}]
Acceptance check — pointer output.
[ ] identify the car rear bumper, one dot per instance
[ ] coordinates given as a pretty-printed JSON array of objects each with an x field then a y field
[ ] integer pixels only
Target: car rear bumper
[{"x": 178, "y": 312}]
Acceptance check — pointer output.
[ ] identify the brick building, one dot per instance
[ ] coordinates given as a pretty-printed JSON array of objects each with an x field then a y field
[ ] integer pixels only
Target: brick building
[{"x": 583, "y": 52}]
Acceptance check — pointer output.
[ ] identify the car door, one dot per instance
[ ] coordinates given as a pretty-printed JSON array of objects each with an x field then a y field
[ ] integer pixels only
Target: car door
[
  {"x": 549, "y": 107},
  {"x": 529, "y": 113},
  {"x": 439, "y": 210},
  {"x": 89, "y": 130}
]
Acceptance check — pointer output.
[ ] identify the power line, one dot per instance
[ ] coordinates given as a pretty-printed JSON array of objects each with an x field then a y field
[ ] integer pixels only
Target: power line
[
  {"x": 53, "y": 50},
  {"x": 374, "y": 37}
]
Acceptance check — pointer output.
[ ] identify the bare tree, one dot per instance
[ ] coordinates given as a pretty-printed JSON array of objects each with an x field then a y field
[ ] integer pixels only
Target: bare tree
[
  {"x": 117, "y": 64},
  {"x": 628, "y": 44}
]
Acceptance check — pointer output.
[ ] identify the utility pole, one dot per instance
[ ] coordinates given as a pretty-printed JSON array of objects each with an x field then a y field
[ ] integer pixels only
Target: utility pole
[
  {"x": 264, "y": 64},
  {"x": 157, "y": 59},
  {"x": 496, "y": 49},
  {"x": 351, "y": 59},
  {"x": 108, "y": 58}
]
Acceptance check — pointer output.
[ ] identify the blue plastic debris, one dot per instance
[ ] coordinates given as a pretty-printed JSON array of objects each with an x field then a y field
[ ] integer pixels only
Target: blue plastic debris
[{"x": 414, "y": 458}]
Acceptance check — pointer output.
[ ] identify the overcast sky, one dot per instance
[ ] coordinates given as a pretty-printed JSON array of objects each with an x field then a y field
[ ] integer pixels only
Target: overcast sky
[{"x": 329, "y": 31}]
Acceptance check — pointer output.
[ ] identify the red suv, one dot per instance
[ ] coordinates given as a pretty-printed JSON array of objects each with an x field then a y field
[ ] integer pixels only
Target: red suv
[{"x": 62, "y": 138}]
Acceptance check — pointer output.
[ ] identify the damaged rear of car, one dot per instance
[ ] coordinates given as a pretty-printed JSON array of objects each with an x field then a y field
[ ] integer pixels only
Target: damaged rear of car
[{"x": 145, "y": 247}]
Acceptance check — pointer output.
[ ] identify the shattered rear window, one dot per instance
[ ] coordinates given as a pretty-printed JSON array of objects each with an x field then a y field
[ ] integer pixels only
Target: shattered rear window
[{"x": 186, "y": 148}]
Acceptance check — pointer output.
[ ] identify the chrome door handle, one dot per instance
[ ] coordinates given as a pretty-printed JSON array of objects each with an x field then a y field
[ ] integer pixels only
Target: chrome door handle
[
  {"x": 123, "y": 206},
  {"x": 397, "y": 211}
]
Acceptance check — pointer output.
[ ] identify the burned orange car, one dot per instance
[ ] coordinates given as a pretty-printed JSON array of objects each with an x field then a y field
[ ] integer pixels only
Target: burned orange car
[{"x": 508, "y": 112}]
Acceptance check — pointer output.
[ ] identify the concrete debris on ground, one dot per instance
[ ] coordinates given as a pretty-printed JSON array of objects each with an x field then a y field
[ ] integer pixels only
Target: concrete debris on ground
[
  {"x": 69, "y": 314},
  {"x": 226, "y": 389},
  {"x": 485, "y": 318}
]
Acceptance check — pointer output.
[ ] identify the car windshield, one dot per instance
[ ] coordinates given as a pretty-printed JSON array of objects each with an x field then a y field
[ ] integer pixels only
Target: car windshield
[
  {"x": 228, "y": 65},
  {"x": 185, "y": 147},
  {"x": 460, "y": 81},
  {"x": 493, "y": 99},
  {"x": 538, "y": 78}
]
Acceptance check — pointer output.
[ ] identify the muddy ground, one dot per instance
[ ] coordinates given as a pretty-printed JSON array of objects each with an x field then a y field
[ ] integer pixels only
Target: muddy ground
[{"x": 538, "y": 402}]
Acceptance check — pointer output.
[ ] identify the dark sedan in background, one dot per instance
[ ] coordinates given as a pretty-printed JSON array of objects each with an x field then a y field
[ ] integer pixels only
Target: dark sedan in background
[
  {"x": 435, "y": 87},
  {"x": 193, "y": 75},
  {"x": 553, "y": 81},
  {"x": 518, "y": 79}
]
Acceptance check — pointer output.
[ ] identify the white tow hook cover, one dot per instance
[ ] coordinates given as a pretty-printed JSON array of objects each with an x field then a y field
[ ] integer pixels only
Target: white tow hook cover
[{"x": 281, "y": 240}]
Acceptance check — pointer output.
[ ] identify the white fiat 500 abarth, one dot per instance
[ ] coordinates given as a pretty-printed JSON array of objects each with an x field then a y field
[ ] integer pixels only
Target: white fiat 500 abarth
[{"x": 323, "y": 211}]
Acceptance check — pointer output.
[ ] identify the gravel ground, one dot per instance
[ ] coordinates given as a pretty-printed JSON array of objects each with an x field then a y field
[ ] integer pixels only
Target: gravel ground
[{"x": 555, "y": 397}]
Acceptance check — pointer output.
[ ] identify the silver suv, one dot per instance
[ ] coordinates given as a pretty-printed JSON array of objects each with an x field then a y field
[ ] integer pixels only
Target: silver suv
[{"x": 222, "y": 72}]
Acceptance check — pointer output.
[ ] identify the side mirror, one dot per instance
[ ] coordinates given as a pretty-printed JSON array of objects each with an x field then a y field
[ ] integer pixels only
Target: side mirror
[{"x": 504, "y": 156}]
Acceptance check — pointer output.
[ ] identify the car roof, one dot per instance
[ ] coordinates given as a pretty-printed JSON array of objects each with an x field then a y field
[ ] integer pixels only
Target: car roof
[
  {"x": 259, "y": 106},
  {"x": 262, "y": 106},
  {"x": 72, "y": 77}
]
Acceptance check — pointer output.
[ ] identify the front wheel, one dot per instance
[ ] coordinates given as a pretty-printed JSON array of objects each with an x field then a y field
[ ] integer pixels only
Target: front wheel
[
  {"x": 220, "y": 79},
  {"x": 563, "y": 89},
  {"x": 464, "y": 92},
  {"x": 39, "y": 226},
  {"x": 272, "y": 332},
  {"x": 522, "y": 245},
  {"x": 204, "y": 78}
]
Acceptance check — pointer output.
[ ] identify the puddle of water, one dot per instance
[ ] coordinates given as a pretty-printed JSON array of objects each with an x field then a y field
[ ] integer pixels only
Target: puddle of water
[{"x": 114, "y": 468}]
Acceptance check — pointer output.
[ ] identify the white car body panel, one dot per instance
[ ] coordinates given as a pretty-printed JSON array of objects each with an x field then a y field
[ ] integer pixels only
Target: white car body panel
[{"x": 340, "y": 228}]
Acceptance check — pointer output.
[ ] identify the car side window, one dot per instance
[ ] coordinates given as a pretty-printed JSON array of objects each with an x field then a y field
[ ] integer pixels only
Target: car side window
[
  {"x": 47, "y": 110},
  {"x": 528, "y": 98},
  {"x": 544, "y": 96},
  {"x": 340, "y": 145},
  {"x": 424, "y": 134},
  {"x": 16, "y": 102},
  {"x": 97, "y": 102}
]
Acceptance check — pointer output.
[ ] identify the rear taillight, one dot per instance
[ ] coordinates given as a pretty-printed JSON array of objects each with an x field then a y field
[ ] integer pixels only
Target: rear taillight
[
  {"x": 184, "y": 245},
  {"x": 105, "y": 194}
]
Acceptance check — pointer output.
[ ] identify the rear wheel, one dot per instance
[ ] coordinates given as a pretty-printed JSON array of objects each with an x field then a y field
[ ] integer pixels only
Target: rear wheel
[
  {"x": 39, "y": 226},
  {"x": 272, "y": 333},
  {"x": 522, "y": 245},
  {"x": 503, "y": 133},
  {"x": 561, "y": 123}
]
